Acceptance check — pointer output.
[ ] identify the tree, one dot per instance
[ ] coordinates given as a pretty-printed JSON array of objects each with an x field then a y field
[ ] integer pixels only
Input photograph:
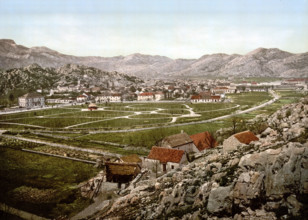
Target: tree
[
  {"x": 235, "y": 123},
  {"x": 11, "y": 97},
  {"x": 132, "y": 89}
]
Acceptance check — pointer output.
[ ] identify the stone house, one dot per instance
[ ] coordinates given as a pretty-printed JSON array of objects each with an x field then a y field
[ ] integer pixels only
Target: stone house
[
  {"x": 180, "y": 141},
  {"x": 31, "y": 100},
  {"x": 203, "y": 141},
  {"x": 164, "y": 159},
  {"x": 237, "y": 140}
]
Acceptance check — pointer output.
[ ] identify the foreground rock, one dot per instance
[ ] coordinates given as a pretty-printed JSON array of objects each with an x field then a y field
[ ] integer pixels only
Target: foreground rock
[{"x": 267, "y": 179}]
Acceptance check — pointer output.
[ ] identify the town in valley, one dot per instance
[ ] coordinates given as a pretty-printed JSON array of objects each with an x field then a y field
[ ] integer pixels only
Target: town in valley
[{"x": 152, "y": 110}]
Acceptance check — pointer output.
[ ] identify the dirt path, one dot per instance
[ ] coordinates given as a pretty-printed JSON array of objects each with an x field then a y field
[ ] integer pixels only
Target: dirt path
[{"x": 63, "y": 146}]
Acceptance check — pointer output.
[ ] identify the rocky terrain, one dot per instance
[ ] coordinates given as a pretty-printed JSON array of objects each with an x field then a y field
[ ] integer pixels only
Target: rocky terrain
[
  {"x": 267, "y": 179},
  {"x": 34, "y": 77},
  {"x": 260, "y": 62}
]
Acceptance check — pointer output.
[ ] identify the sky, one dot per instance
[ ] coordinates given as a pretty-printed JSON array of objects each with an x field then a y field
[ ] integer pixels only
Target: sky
[{"x": 173, "y": 28}]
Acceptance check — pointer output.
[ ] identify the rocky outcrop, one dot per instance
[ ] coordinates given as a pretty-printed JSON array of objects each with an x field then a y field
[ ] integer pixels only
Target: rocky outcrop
[
  {"x": 267, "y": 179},
  {"x": 36, "y": 77}
]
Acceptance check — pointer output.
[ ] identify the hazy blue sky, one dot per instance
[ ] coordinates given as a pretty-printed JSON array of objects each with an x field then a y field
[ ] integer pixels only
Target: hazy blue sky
[{"x": 178, "y": 29}]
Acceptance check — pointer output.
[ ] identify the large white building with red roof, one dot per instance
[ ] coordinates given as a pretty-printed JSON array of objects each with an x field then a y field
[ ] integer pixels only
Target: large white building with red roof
[{"x": 146, "y": 96}]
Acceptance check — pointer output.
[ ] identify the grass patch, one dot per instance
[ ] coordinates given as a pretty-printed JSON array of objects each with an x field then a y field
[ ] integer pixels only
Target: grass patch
[{"x": 22, "y": 172}]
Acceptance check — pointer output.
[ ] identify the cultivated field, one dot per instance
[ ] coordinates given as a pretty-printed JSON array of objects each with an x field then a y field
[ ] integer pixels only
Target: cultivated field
[
  {"x": 120, "y": 116},
  {"x": 95, "y": 129}
]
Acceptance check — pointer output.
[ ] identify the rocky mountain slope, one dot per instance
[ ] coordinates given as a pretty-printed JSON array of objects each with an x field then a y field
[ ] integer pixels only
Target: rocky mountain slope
[
  {"x": 35, "y": 77},
  {"x": 260, "y": 62},
  {"x": 267, "y": 179}
]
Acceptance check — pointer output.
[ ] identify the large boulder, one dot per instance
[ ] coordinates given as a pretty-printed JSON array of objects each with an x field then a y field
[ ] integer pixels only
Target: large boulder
[
  {"x": 220, "y": 200},
  {"x": 248, "y": 188}
]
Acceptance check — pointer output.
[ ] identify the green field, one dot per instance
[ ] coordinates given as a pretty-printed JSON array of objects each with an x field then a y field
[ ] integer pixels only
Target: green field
[
  {"x": 120, "y": 116},
  {"x": 42, "y": 185},
  {"x": 130, "y": 115}
]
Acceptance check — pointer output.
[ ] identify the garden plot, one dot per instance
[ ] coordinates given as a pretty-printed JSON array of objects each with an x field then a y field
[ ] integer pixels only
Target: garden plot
[{"x": 120, "y": 116}]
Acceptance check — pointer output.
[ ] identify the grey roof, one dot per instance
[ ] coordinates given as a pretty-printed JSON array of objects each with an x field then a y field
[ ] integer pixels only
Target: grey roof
[
  {"x": 32, "y": 95},
  {"x": 178, "y": 139}
]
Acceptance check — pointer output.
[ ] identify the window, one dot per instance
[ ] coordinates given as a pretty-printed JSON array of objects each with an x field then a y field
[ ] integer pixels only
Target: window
[{"x": 172, "y": 167}]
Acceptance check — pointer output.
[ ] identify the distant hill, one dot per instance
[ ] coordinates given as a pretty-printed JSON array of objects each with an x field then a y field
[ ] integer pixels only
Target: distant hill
[
  {"x": 260, "y": 62},
  {"x": 35, "y": 77}
]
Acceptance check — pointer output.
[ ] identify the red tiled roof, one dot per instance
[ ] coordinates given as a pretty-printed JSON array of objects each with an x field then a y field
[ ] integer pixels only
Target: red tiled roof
[
  {"x": 215, "y": 97},
  {"x": 203, "y": 140},
  {"x": 196, "y": 97},
  {"x": 146, "y": 94},
  {"x": 177, "y": 140},
  {"x": 246, "y": 137},
  {"x": 165, "y": 155}
]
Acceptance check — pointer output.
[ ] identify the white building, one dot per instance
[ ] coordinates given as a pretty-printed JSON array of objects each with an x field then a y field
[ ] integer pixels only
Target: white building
[
  {"x": 159, "y": 96},
  {"x": 82, "y": 98},
  {"x": 107, "y": 97},
  {"x": 31, "y": 100},
  {"x": 60, "y": 101},
  {"x": 205, "y": 99},
  {"x": 146, "y": 96}
]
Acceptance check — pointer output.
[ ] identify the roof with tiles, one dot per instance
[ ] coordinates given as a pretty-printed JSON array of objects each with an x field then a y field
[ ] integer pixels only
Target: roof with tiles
[
  {"x": 196, "y": 97},
  {"x": 165, "y": 155},
  {"x": 203, "y": 140},
  {"x": 32, "y": 95},
  {"x": 178, "y": 139},
  {"x": 215, "y": 97},
  {"x": 246, "y": 137}
]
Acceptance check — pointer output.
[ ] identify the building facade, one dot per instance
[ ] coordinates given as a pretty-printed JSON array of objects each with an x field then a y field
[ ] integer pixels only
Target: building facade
[{"x": 31, "y": 100}]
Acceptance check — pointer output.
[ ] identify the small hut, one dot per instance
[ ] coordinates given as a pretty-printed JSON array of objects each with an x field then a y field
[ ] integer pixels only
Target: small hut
[
  {"x": 92, "y": 106},
  {"x": 232, "y": 143},
  {"x": 121, "y": 172}
]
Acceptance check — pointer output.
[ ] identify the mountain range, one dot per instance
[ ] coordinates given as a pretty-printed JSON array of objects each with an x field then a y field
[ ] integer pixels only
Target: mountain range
[{"x": 258, "y": 63}]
